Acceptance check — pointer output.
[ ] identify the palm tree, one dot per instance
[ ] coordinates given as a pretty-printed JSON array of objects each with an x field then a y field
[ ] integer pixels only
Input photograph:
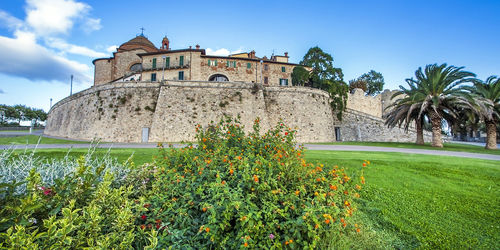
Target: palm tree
[
  {"x": 405, "y": 110},
  {"x": 439, "y": 94},
  {"x": 487, "y": 96}
]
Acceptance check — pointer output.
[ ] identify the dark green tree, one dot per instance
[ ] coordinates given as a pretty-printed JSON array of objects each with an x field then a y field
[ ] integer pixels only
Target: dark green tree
[
  {"x": 440, "y": 95},
  {"x": 357, "y": 84},
  {"x": 487, "y": 99},
  {"x": 300, "y": 76},
  {"x": 374, "y": 82},
  {"x": 326, "y": 77}
]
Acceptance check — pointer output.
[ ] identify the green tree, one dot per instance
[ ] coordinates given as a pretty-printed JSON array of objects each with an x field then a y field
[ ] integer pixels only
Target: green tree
[
  {"x": 440, "y": 95},
  {"x": 326, "y": 77},
  {"x": 300, "y": 76},
  {"x": 372, "y": 82},
  {"x": 357, "y": 84},
  {"x": 405, "y": 109},
  {"x": 487, "y": 100}
]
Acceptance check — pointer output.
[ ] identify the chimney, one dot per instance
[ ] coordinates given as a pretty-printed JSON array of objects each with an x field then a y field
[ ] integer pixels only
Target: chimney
[
  {"x": 190, "y": 46},
  {"x": 197, "y": 46},
  {"x": 252, "y": 54},
  {"x": 286, "y": 54}
]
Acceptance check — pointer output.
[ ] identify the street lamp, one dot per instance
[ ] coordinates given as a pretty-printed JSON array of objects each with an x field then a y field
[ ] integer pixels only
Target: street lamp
[
  {"x": 71, "y": 88},
  {"x": 164, "y": 62}
]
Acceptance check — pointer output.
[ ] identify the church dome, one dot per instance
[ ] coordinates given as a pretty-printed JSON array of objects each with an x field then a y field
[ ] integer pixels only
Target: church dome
[{"x": 139, "y": 42}]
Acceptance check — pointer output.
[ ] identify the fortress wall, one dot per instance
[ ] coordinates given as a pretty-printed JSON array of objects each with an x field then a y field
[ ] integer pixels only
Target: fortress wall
[
  {"x": 110, "y": 112},
  {"x": 371, "y": 105},
  {"x": 306, "y": 109},
  {"x": 102, "y": 73},
  {"x": 357, "y": 126},
  {"x": 183, "y": 104},
  {"x": 118, "y": 112}
]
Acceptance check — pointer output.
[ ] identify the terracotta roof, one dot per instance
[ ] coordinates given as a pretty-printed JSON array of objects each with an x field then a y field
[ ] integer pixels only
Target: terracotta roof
[{"x": 139, "y": 42}]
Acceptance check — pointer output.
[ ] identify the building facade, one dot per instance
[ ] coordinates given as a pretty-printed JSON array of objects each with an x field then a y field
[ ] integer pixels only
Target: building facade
[{"x": 139, "y": 60}]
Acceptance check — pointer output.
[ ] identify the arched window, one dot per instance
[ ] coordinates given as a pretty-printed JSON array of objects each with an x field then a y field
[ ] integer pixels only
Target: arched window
[
  {"x": 218, "y": 78},
  {"x": 136, "y": 67}
]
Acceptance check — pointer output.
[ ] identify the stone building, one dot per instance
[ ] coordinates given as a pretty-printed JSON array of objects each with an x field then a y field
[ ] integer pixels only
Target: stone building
[
  {"x": 143, "y": 94},
  {"x": 139, "y": 60}
]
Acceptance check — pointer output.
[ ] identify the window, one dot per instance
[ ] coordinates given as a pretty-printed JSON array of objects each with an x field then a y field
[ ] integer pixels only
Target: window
[
  {"x": 283, "y": 82},
  {"x": 283, "y": 69},
  {"x": 154, "y": 63},
  {"x": 153, "y": 77},
  {"x": 136, "y": 67},
  {"x": 218, "y": 78},
  {"x": 167, "y": 62},
  {"x": 266, "y": 80},
  {"x": 181, "y": 61},
  {"x": 249, "y": 65},
  {"x": 266, "y": 67},
  {"x": 212, "y": 62},
  {"x": 231, "y": 64},
  {"x": 181, "y": 75}
]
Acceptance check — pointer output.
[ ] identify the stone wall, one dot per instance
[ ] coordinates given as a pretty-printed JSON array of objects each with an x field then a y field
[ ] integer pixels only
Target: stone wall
[
  {"x": 102, "y": 72},
  {"x": 119, "y": 111},
  {"x": 305, "y": 109},
  {"x": 110, "y": 112},
  {"x": 370, "y": 105},
  {"x": 358, "y": 126}
]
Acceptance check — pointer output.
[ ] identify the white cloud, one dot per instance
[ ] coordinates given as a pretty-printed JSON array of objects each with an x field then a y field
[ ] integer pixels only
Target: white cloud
[
  {"x": 10, "y": 21},
  {"x": 111, "y": 48},
  {"x": 48, "y": 17},
  {"x": 92, "y": 24},
  {"x": 60, "y": 44},
  {"x": 23, "y": 57},
  {"x": 222, "y": 52}
]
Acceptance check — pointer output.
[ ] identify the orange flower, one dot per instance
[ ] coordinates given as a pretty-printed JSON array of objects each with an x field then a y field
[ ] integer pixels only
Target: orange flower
[
  {"x": 204, "y": 139},
  {"x": 358, "y": 230},
  {"x": 346, "y": 203},
  {"x": 362, "y": 180},
  {"x": 333, "y": 187},
  {"x": 231, "y": 171},
  {"x": 316, "y": 226},
  {"x": 318, "y": 179},
  {"x": 358, "y": 187},
  {"x": 204, "y": 209},
  {"x": 364, "y": 164},
  {"x": 297, "y": 192},
  {"x": 207, "y": 229},
  {"x": 327, "y": 221},
  {"x": 255, "y": 178},
  {"x": 245, "y": 245},
  {"x": 223, "y": 182}
]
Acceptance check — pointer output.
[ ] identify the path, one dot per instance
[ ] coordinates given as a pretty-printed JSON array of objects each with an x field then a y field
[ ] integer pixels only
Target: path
[{"x": 307, "y": 146}]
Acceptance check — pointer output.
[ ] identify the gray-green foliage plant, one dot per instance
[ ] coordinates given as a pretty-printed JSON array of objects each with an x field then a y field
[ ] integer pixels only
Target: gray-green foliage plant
[{"x": 68, "y": 203}]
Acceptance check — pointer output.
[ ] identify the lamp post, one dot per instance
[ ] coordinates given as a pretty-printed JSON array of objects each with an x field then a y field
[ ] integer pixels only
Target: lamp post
[
  {"x": 50, "y": 103},
  {"x": 164, "y": 62},
  {"x": 71, "y": 88}
]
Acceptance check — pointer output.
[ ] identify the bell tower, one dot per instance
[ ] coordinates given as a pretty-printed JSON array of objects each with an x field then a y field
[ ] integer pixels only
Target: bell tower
[{"x": 165, "y": 44}]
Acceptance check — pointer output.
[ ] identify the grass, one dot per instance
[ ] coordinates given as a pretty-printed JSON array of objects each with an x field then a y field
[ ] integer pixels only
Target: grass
[
  {"x": 421, "y": 201},
  {"x": 409, "y": 201},
  {"x": 447, "y": 146},
  {"x": 33, "y": 139}
]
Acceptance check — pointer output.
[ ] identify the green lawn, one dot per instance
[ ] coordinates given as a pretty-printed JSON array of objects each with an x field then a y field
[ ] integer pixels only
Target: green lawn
[
  {"x": 447, "y": 146},
  {"x": 33, "y": 139},
  {"x": 427, "y": 201},
  {"x": 409, "y": 200}
]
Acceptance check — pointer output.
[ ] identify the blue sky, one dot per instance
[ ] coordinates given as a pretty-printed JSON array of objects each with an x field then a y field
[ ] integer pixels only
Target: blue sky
[{"x": 43, "y": 42}]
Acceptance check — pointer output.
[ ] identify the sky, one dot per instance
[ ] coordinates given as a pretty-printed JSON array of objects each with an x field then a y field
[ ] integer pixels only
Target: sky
[{"x": 44, "y": 42}]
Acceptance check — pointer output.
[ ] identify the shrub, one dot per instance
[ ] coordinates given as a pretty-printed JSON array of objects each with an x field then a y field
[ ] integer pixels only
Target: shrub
[
  {"x": 67, "y": 203},
  {"x": 233, "y": 191}
]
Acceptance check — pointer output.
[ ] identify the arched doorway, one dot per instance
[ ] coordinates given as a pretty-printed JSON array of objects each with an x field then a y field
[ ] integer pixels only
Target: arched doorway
[{"x": 218, "y": 78}]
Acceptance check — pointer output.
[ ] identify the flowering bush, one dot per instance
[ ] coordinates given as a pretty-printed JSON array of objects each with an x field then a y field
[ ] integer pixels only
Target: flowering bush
[{"x": 234, "y": 190}]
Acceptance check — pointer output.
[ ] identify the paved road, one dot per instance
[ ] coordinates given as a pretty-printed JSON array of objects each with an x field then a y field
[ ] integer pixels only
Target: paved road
[{"x": 308, "y": 146}]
